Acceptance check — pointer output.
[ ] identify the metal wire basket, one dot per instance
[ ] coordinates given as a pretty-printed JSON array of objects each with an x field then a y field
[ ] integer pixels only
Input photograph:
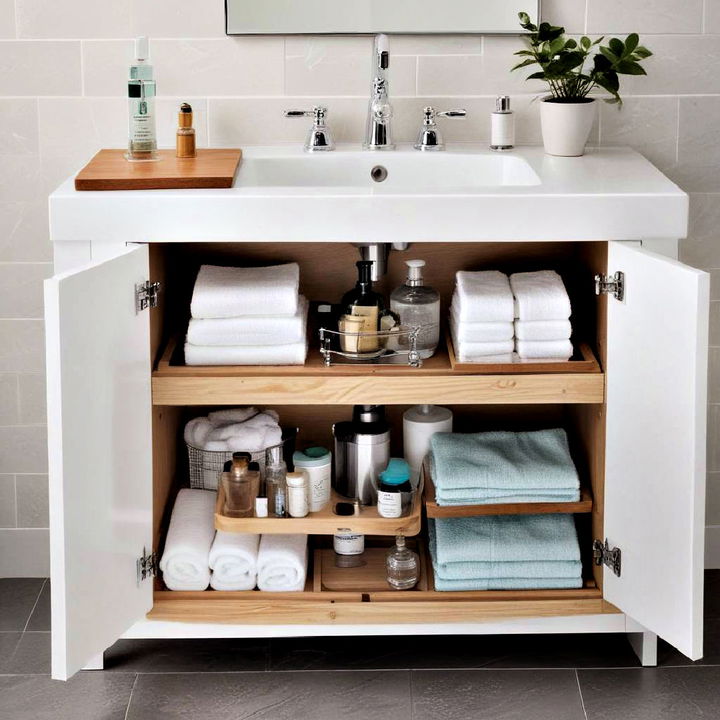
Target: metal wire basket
[{"x": 206, "y": 466}]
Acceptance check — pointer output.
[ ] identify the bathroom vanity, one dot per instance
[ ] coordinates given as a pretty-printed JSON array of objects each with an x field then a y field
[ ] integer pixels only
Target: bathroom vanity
[{"x": 634, "y": 406}]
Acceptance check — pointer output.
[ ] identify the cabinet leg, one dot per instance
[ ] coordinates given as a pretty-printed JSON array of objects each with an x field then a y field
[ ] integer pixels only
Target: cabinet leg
[
  {"x": 645, "y": 646},
  {"x": 96, "y": 663}
]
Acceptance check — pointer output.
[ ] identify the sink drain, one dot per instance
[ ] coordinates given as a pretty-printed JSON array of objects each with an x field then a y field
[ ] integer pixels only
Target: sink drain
[{"x": 378, "y": 173}]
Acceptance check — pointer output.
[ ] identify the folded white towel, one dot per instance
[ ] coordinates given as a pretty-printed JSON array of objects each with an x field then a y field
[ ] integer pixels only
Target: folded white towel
[
  {"x": 468, "y": 352},
  {"x": 238, "y": 438},
  {"x": 293, "y": 354},
  {"x": 242, "y": 414},
  {"x": 226, "y": 292},
  {"x": 562, "y": 349},
  {"x": 540, "y": 296},
  {"x": 250, "y": 329},
  {"x": 185, "y": 560},
  {"x": 483, "y": 296},
  {"x": 233, "y": 561},
  {"x": 480, "y": 331},
  {"x": 543, "y": 329},
  {"x": 503, "y": 359},
  {"x": 282, "y": 563}
]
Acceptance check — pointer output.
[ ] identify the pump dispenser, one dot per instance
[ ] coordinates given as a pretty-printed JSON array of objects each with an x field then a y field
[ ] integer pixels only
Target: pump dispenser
[
  {"x": 142, "y": 138},
  {"x": 418, "y": 304}
]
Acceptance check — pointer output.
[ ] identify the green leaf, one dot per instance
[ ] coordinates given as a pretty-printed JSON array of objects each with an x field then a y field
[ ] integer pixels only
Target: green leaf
[
  {"x": 617, "y": 46},
  {"x": 571, "y": 44},
  {"x": 608, "y": 81},
  {"x": 548, "y": 32},
  {"x": 631, "y": 42},
  {"x": 609, "y": 54},
  {"x": 536, "y": 76},
  {"x": 642, "y": 52},
  {"x": 585, "y": 42},
  {"x": 523, "y": 52},
  {"x": 602, "y": 64},
  {"x": 627, "y": 67},
  {"x": 599, "y": 40},
  {"x": 523, "y": 64}
]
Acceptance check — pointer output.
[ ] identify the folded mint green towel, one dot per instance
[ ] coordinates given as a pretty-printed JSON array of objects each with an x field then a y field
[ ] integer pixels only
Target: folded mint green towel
[
  {"x": 487, "y": 467},
  {"x": 507, "y": 584},
  {"x": 464, "y": 496}
]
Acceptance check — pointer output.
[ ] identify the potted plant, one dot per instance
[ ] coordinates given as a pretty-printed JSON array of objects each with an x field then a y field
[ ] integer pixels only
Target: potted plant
[{"x": 567, "y": 114}]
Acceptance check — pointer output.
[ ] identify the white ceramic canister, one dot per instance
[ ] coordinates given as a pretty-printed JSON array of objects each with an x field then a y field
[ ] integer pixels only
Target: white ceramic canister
[
  {"x": 420, "y": 423},
  {"x": 297, "y": 494},
  {"x": 317, "y": 464}
]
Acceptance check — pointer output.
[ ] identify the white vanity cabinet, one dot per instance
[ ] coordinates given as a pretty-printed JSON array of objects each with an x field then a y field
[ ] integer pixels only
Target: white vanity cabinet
[{"x": 116, "y": 405}]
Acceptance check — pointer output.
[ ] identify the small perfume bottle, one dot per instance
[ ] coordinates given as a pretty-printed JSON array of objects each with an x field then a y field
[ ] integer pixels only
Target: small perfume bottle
[
  {"x": 142, "y": 140},
  {"x": 185, "y": 136},
  {"x": 402, "y": 565},
  {"x": 502, "y": 131}
]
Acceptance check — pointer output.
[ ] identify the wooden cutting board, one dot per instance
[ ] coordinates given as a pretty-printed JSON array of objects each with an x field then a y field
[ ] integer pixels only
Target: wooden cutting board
[{"x": 109, "y": 170}]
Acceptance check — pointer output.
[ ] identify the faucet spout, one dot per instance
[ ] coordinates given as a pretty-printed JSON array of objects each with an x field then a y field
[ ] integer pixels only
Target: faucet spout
[{"x": 378, "y": 135}]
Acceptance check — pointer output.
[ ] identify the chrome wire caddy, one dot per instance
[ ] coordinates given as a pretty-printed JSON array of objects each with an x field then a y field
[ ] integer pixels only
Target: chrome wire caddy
[{"x": 397, "y": 345}]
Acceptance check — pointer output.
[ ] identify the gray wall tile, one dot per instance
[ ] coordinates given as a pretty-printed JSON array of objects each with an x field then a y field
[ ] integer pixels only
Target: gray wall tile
[
  {"x": 18, "y": 126},
  {"x": 7, "y": 501},
  {"x": 32, "y": 501},
  {"x": 21, "y": 289},
  {"x": 22, "y": 346},
  {"x": 40, "y": 68},
  {"x": 644, "y": 16},
  {"x": 24, "y": 449},
  {"x": 25, "y": 553},
  {"x": 32, "y": 405},
  {"x": 7, "y": 19},
  {"x": 9, "y": 399},
  {"x": 87, "y": 18}
]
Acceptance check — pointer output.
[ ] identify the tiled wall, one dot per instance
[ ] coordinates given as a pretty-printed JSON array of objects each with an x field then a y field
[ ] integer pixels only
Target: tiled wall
[{"x": 62, "y": 78}]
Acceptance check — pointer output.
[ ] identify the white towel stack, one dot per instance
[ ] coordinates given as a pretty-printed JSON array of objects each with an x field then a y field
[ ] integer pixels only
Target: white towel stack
[
  {"x": 542, "y": 317},
  {"x": 247, "y": 316},
  {"x": 481, "y": 317}
]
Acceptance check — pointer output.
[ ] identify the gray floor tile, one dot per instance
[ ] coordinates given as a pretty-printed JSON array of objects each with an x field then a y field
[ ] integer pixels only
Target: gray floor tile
[
  {"x": 712, "y": 593},
  {"x": 651, "y": 693},
  {"x": 17, "y": 599},
  {"x": 8, "y": 643},
  {"x": 668, "y": 656},
  {"x": 272, "y": 696},
  {"x": 95, "y": 696},
  {"x": 32, "y": 655},
  {"x": 208, "y": 655},
  {"x": 496, "y": 695},
  {"x": 40, "y": 618}
]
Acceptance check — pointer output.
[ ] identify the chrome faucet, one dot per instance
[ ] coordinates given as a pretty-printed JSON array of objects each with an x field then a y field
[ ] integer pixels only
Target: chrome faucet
[{"x": 378, "y": 134}]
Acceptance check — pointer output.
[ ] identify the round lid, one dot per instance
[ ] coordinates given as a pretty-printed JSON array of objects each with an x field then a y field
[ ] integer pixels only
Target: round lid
[
  {"x": 295, "y": 479},
  {"x": 427, "y": 414},
  {"x": 311, "y": 457},
  {"x": 396, "y": 473},
  {"x": 415, "y": 272}
]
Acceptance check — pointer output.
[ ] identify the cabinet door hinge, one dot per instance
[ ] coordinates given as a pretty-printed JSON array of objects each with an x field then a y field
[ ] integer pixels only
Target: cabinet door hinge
[
  {"x": 147, "y": 566},
  {"x": 611, "y": 285},
  {"x": 147, "y": 295},
  {"x": 603, "y": 554}
]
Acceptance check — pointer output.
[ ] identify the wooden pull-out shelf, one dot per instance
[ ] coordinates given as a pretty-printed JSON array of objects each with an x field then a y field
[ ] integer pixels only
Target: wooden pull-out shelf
[
  {"x": 324, "y": 522},
  {"x": 436, "y": 382},
  {"x": 433, "y": 510}
]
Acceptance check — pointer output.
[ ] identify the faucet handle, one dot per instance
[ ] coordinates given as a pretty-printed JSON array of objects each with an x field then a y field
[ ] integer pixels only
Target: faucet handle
[
  {"x": 319, "y": 138},
  {"x": 429, "y": 137}
]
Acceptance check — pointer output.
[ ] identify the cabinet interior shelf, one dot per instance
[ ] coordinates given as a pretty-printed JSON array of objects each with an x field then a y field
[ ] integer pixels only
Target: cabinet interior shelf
[
  {"x": 437, "y": 382},
  {"x": 433, "y": 510}
]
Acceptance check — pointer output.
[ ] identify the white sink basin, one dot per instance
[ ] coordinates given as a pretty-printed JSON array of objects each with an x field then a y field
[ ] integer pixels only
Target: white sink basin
[{"x": 404, "y": 171}]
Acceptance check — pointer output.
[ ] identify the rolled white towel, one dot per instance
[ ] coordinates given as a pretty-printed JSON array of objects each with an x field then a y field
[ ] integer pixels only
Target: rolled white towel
[
  {"x": 483, "y": 296},
  {"x": 543, "y": 329},
  {"x": 282, "y": 563},
  {"x": 540, "y": 296},
  {"x": 292, "y": 354},
  {"x": 556, "y": 349},
  {"x": 226, "y": 292},
  {"x": 250, "y": 329},
  {"x": 185, "y": 560},
  {"x": 270, "y": 438},
  {"x": 197, "y": 431},
  {"x": 233, "y": 561},
  {"x": 228, "y": 415}
]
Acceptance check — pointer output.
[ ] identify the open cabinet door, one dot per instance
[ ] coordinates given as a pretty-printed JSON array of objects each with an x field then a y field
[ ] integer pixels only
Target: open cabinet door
[
  {"x": 656, "y": 429},
  {"x": 99, "y": 437}
]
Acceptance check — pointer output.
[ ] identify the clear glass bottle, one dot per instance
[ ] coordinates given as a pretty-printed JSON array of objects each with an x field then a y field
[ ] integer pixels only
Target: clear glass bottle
[
  {"x": 241, "y": 486},
  {"x": 418, "y": 304},
  {"x": 142, "y": 137},
  {"x": 403, "y": 566},
  {"x": 275, "y": 482},
  {"x": 362, "y": 310}
]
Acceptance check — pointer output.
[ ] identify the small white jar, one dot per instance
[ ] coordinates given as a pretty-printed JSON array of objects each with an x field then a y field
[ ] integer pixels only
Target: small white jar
[
  {"x": 297, "y": 494},
  {"x": 347, "y": 542}
]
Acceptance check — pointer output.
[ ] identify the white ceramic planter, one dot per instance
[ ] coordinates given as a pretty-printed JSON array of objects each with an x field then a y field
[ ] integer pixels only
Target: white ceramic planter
[{"x": 566, "y": 126}]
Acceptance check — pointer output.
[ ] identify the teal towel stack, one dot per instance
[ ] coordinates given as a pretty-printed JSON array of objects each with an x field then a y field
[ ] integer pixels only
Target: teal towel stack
[
  {"x": 505, "y": 552},
  {"x": 503, "y": 467}
]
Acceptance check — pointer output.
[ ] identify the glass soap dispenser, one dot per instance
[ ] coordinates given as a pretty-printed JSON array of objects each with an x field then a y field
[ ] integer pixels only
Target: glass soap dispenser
[
  {"x": 418, "y": 304},
  {"x": 402, "y": 565}
]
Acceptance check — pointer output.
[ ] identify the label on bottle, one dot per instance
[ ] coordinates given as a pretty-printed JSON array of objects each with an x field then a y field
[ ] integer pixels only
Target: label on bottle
[
  {"x": 369, "y": 315},
  {"x": 297, "y": 501},
  {"x": 389, "y": 504},
  {"x": 319, "y": 486},
  {"x": 502, "y": 132},
  {"x": 349, "y": 544}
]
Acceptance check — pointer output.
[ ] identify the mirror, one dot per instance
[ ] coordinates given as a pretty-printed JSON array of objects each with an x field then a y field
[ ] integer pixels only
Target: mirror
[{"x": 353, "y": 17}]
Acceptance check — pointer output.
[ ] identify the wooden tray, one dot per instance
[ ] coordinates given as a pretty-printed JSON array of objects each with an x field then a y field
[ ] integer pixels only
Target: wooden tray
[
  {"x": 324, "y": 522},
  {"x": 583, "y": 361},
  {"x": 433, "y": 510},
  {"x": 109, "y": 170}
]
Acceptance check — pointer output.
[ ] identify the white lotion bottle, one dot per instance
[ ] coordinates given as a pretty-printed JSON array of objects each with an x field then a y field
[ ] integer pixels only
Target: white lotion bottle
[
  {"x": 420, "y": 423},
  {"x": 502, "y": 130}
]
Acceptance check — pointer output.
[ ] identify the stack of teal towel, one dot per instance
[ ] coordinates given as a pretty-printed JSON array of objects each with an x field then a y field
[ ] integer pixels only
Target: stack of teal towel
[
  {"x": 505, "y": 552},
  {"x": 503, "y": 467}
]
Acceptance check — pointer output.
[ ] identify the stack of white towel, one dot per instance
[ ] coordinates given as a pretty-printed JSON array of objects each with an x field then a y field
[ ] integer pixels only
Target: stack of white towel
[
  {"x": 235, "y": 430},
  {"x": 247, "y": 316},
  {"x": 542, "y": 317},
  {"x": 481, "y": 317},
  {"x": 196, "y": 557}
]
